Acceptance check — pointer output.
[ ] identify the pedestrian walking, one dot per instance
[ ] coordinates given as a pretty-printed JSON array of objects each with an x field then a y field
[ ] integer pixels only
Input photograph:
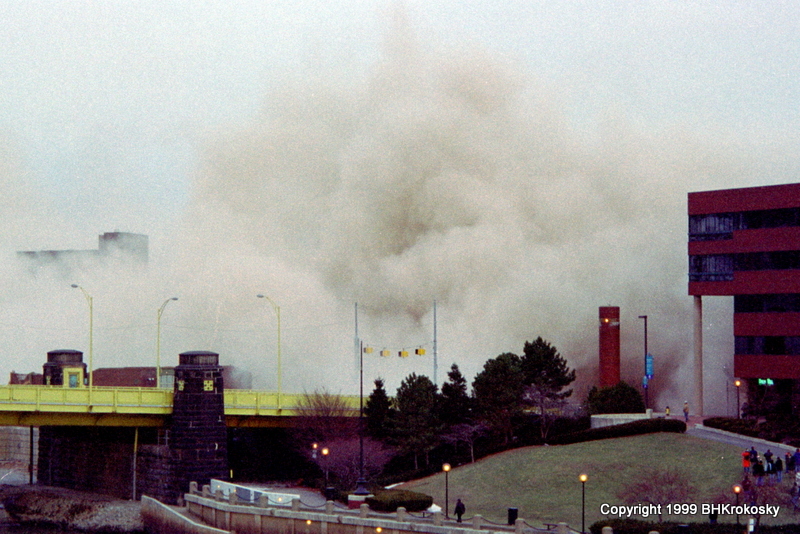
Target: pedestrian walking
[
  {"x": 778, "y": 466},
  {"x": 746, "y": 463},
  {"x": 460, "y": 509},
  {"x": 686, "y": 411},
  {"x": 666, "y": 413}
]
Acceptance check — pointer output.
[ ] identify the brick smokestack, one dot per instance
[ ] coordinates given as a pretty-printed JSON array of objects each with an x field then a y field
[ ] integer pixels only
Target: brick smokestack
[{"x": 609, "y": 346}]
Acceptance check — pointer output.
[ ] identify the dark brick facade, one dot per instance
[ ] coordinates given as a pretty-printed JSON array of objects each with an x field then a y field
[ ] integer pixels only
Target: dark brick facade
[{"x": 198, "y": 434}]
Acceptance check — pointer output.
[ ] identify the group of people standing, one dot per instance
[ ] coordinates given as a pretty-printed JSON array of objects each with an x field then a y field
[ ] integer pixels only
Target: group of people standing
[{"x": 770, "y": 468}]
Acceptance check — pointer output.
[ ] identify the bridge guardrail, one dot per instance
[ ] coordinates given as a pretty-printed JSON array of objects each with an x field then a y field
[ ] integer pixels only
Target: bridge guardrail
[{"x": 142, "y": 400}]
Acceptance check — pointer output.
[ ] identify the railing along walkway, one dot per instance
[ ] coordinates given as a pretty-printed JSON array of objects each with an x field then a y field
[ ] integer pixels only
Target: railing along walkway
[{"x": 434, "y": 523}]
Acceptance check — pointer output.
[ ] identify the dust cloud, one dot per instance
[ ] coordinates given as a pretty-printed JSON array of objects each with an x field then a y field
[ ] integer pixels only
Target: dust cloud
[{"x": 447, "y": 175}]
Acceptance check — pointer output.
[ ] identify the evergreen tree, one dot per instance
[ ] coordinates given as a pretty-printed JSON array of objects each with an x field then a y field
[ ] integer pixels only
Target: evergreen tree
[
  {"x": 543, "y": 366},
  {"x": 455, "y": 404},
  {"x": 378, "y": 412},
  {"x": 417, "y": 424},
  {"x": 498, "y": 391}
]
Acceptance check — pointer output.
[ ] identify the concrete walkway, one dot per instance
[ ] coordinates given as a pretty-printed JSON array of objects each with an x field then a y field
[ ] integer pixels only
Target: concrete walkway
[{"x": 695, "y": 428}]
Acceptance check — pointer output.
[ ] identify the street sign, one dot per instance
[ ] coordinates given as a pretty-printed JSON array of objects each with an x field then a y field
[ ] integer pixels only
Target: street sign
[{"x": 648, "y": 366}]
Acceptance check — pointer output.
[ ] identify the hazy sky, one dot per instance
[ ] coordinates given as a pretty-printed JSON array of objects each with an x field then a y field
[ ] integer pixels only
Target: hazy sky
[{"x": 141, "y": 117}]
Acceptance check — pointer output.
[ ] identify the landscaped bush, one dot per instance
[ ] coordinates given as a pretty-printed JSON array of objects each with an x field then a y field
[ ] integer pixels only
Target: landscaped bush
[
  {"x": 391, "y": 499},
  {"x": 634, "y": 428}
]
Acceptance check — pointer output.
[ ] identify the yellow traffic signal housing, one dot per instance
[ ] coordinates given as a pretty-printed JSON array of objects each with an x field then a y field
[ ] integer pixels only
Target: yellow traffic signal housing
[
  {"x": 385, "y": 352},
  {"x": 368, "y": 350},
  {"x": 420, "y": 351},
  {"x": 403, "y": 354}
]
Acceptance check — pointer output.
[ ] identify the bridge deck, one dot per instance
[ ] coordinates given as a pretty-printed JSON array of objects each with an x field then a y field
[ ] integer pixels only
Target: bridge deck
[{"x": 124, "y": 406}]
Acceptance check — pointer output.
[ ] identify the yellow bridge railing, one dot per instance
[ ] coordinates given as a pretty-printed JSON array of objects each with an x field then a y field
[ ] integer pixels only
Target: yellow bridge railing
[{"x": 126, "y": 406}]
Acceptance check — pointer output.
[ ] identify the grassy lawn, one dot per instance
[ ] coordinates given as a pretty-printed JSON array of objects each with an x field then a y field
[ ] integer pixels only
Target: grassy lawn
[{"x": 542, "y": 482}]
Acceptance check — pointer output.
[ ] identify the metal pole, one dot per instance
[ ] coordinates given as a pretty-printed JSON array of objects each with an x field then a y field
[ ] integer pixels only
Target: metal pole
[
  {"x": 583, "y": 506},
  {"x": 277, "y": 310},
  {"x": 89, "y": 301},
  {"x": 135, "y": 451},
  {"x": 738, "y": 384},
  {"x": 361, "y": 483},
  {"x": 645, "y": 360},
  {"x": 30, "y": 457},
  {"x": 158, "y": 340},
  {"x": 446, "y": 493},
  {"x": 435, "y": 348}
]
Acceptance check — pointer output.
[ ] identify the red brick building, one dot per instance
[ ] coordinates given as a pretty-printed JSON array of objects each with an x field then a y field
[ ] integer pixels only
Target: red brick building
[{"x": 745, "y": 243}]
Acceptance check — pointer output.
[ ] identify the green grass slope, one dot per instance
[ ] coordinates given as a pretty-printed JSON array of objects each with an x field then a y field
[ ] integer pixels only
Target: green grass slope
[{"x": 542, "y": 482}]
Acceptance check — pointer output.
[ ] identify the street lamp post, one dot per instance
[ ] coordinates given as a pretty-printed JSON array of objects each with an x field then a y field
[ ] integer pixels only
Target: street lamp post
[
  {"x": 583, "y": 478},
  {"x": 737, "y": 489},
  {"x": 89, "y": 301},
  {"x": 277, "y": 310},
  {"x": 645, "y": 360},
  {"x": 446, "y": 469},
  {"x": 325, "y": 453},
  {"x": 361, "y": 483},
  {"x": 158, "y": 341},
  {"x": 738, "y": 384}
]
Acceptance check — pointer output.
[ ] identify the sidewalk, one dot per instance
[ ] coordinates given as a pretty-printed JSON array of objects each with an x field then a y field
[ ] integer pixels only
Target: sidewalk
[{"x": 696, "y": 428}]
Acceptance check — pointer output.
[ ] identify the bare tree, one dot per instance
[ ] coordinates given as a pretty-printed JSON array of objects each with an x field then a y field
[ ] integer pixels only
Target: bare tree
[
  {"x": 466, "y": 433},
  {"x": 342, "y": 461},
  {"x": 547, "y": 403},
  {"x": 659, "y": 486},
  {"x": 325, "y": 417}
]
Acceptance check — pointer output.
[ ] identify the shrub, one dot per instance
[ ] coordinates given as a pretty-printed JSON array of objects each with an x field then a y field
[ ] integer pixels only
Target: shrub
[
  {"x": 620, "y": 398},
  {"x": 390, "y": 500},
  {"x": 634, "y": 428}
]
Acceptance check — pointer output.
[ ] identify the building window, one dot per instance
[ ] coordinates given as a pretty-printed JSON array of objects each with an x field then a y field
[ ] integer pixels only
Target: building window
[
  {"x": 712, "y": 226},
  {"x": 788, "y": 302},
  {"x": 771, "y": 345},
  {"x": 711, "y": 268}
]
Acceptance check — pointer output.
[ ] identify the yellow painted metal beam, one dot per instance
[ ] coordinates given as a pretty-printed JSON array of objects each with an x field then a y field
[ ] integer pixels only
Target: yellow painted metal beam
[{"x": 111, "y": 406}]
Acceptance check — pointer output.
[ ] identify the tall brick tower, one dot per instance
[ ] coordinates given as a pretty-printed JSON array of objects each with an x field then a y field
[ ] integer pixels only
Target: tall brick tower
[
  {"x": 198, "y": 435},
  {"x": 609, "y": 346}
]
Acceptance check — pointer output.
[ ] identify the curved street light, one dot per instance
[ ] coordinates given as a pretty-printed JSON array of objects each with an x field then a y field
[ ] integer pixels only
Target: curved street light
[
  {"x": 277, "y": 310},
  {"x": 89, "y": 301},
  {"x": 158, "y": 341}
]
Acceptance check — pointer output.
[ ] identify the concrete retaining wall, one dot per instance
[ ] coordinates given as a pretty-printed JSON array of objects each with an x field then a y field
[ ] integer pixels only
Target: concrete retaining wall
[
  {"x": 159, "y": 517},
  {"x": 226, "y": 515},
  {"x": 610, "y": 419}
]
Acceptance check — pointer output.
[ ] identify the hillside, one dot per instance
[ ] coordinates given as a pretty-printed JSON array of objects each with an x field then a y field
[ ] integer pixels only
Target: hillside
[{"x": 542, "y": 482}]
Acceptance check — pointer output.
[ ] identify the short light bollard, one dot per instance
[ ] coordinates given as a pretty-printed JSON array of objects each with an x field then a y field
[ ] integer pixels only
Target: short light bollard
[
  {"x": 651, "y": 532},
  {"x": 609, "y": 530},
  {"x": 329, "y": 507},
  {"x": 438, "y": 518},
  {"x": 519, "y": 525},
  {"x": 363, "y": 510},
  {"x": 401, "y": 514},
  {"x": 477, "y": 521}
]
